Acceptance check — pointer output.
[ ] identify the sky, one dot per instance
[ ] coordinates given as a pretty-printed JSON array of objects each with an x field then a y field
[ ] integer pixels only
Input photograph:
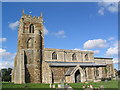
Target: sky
[{"x": 68, "y": 25}]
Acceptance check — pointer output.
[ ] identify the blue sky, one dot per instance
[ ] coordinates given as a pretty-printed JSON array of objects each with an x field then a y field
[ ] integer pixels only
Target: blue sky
[{"x": 80, "y": 26}]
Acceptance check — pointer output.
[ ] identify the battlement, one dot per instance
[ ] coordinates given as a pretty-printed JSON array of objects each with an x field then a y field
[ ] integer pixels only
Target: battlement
[
  {"x": 30, "y": 18},
  {"x": 67, "y": 50}
]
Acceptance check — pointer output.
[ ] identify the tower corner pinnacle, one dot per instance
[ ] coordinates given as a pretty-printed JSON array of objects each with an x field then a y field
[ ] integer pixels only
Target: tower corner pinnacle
[{"x": 23, "y": 12}]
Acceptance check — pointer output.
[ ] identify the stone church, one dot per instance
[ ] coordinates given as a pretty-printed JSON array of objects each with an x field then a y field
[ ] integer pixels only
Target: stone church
[{"x": 35, "y": 64}]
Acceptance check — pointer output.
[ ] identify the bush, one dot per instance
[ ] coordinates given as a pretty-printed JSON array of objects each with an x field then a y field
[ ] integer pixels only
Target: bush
[
  {"x": 6, "y": 74},
  {"x": 104, "y": 79}
]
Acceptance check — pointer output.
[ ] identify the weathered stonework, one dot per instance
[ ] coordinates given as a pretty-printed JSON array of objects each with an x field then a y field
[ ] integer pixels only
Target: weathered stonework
[{"x": 36, "y": 64}]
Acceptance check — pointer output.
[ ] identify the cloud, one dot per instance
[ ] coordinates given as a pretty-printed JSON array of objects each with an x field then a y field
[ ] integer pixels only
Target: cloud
[
  {"x": 6, "y": 55},
  {"x": 30, "y": 12},
  {"x": 113, "y": 8},
  {"x": 45, "y": 31},
  {"x": 3, "y": 39},
  {"x": 113, "y": 50},
  {"x": 111, "y": 38},
  {"x": 101, "y": 11},
  {"x": 60, "y": 34},
  {"x": 96, "y": 43},
  {"x": 14, "y": 25},
  {"x": 96, "y": 51},
  {"x": 6, "y": 64},
  {"x": 108, "y": 6},
  {"x": 116, "y": 61},
  {"x": 77, "y": 49},
  {"x": 7, "y": 58}
]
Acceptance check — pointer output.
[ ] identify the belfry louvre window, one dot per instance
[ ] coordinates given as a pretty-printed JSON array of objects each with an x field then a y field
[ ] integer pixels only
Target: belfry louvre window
[
  {"x": 74, "y": 57},
  {"x": 31, "y": 28},
  {"x": 54, "y": 55},
  {"x": 29, "y": 43},
  {"x": 86, "y": 57},
  {"x": 97, "y": 71}
]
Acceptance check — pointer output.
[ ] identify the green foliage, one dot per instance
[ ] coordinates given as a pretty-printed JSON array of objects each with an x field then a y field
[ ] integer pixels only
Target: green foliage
[
  {"x": 108, "y": 79},
  {"x": 105, "y": 70},
  {"x": 6, "y": 74}
]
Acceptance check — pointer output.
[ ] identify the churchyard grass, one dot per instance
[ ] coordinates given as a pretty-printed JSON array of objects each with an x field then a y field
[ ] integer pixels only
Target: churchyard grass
[
  {"x": 109, "y": 84},
  {"x": 26, "y": 85}
]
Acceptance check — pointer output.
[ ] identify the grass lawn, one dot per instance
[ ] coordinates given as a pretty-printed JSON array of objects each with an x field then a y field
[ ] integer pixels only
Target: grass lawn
[
  {"x": 26, "y": 85},
  {"x": 109, "y": 84}
]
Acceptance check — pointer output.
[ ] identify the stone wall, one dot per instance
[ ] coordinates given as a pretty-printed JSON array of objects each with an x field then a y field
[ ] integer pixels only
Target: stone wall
[
  {"x": 58, "y": 73},
  {"x": 46, "y": 73},
  {"x": 28, "y": 62},
  {"x": 18, "y": 73},
  {"x": 107, "y": 71},
  {"x": 66, "y": 55}
]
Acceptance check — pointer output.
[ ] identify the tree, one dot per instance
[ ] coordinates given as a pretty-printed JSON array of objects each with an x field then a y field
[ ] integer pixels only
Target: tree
[
  {"x": 6, "y": 74},
  {"x": 118, "y": 73}
]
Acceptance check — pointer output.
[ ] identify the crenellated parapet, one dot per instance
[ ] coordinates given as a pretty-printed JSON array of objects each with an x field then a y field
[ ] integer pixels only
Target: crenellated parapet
[{"x": 30, "y": 18}]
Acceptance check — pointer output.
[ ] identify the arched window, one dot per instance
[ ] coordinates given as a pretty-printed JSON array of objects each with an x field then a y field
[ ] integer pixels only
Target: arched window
[
  {"x": 74, "y": 57},
  {"x": 31, "y": 28},
  {"x": 23, "y": 27},
  {"x": 29, "y": 43},
  {"x": 86, "y": 57},
  {"x": 54, "y": 55}
]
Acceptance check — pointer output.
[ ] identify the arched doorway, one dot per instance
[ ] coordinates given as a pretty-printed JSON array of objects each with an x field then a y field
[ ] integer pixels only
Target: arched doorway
[{"x": 77, "y": 76}]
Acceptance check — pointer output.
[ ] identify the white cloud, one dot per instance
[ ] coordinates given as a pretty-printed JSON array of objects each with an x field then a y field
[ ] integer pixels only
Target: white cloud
[
  {"x": 60, "y": 34},
  {"x": 113, "y": 8},
  {"x": 77, "y": 49},
  {"x": 4, "y": 53},
  {"x": 3, "y": 39},
  {"x": 7, "y": 58},
  {"x": 111, "y": 38},
  {"x": 116, "y": 61},
  {"x": 14, "y": 25},
  {"x": 96, "y": 43},
  {"x": 108, "y": 6},
  {"x": 30, "y": 12},
  {"x": 101, "y": 11},
  {"x": 96, "y": 51},
  {"x": 6, "y": 64},
  {"x": 45, "y": 31},
  {"x": 113, "y": 50}
]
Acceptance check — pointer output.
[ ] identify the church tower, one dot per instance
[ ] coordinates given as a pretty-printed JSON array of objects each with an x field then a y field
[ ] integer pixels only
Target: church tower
[{"x": 28, "y": 61}]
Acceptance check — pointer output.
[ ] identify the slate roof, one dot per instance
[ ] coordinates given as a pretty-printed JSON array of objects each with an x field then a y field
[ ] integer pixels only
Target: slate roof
[
  {"x": 69, "y": 71},
  {"x": 55, "y": 64},
  {"x": 102, "y": 58}
]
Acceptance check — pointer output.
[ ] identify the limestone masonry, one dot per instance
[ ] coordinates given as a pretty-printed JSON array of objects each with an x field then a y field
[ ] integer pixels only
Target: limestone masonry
[{"x": 36, "y": 64}]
